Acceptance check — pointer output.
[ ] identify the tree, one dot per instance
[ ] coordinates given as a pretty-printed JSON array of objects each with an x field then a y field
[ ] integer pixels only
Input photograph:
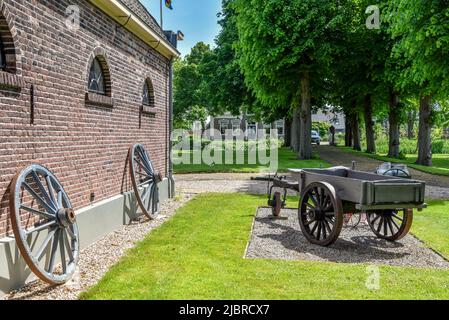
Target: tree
[
  {"x": 420, "y": 31},
  {"x": 286, "y": 49},
  {"x": 189, "y": 104},
  {"x": 223, "y": 80}
]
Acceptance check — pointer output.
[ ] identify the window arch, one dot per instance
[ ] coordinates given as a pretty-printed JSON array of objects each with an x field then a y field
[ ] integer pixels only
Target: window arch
[
  {"x": 7, "y": 48},
  {"x": 98, "y": 74},
  {"x": 148, "y": 93}
]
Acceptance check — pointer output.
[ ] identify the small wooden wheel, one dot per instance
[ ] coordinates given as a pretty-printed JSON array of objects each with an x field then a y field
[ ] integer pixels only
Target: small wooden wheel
[
  {"x": 391, "y": 225},
  {"x": 145, "y": 181},
  {"x": 320, "y": 214},
  {"x": 44, "y": 224},
  {"x": 277, "y": 204}
]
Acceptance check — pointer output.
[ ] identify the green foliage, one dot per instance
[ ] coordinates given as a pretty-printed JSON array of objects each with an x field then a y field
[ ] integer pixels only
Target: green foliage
[
  {"x": 322, "y": 127},
  {"x": 421, "y": 32},
  {"x": 189, "y": 104}
]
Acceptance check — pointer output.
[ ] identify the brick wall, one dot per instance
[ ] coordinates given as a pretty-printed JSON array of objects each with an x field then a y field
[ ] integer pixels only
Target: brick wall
[{"x": 84, "y": 144}]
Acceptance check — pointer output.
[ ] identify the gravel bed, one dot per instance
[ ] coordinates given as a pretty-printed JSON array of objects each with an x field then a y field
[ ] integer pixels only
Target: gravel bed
[
  {"x": 283, "y": 240},
  {"x": 96, "y": 260}
]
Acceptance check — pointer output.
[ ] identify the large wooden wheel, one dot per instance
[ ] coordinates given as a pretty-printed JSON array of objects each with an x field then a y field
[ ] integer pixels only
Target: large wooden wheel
[
  {"x": 320, "y": 214},
  {"x": 44, "y": 224},
  {"x": 391, "y": 225},
  {"x": 145, "y": 181}
]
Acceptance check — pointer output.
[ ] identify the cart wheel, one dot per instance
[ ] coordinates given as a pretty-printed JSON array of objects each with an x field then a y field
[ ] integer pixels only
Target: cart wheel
[
  {"x": 320, "y": 214},
  {"x": 145, "y": 181},
  {"x": 276, "y": 209},
  {"x": 391, "y": 225},
  {"x": 44, "y": 225}
]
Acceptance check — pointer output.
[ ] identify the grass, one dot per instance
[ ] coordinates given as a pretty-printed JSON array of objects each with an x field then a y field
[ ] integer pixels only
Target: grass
[
  {"x": 286, "y": 159},
  {"x": 440, "y": 161},
  {"x": 198, "y": 254}
]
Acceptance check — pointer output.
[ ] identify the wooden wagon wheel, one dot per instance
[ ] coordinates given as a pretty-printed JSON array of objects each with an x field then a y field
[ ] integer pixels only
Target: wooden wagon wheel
[
  {"x": 320, "y": 214},
  {"x": 391, "y": 225},
  {"x": 44, "y": 224},
  {"x": 145, "y": 181}
]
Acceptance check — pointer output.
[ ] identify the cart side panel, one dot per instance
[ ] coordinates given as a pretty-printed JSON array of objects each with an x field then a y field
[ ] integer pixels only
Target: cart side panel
[
  {"x": 347, "y": 189},
  {"x": 384, "y": 193}
]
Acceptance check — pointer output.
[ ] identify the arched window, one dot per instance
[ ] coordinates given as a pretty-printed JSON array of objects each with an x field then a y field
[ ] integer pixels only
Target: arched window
[
  {"x": 97, "y": 78},
  {"x": 148, "y": 94}
]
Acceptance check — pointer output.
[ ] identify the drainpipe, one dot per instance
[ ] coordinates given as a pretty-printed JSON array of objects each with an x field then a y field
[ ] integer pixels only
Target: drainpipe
[{"x": 171, "y": 180}]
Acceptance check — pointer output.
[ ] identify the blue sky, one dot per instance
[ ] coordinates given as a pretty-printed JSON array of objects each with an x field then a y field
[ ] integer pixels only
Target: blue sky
[{"x": 197, "y": 19}]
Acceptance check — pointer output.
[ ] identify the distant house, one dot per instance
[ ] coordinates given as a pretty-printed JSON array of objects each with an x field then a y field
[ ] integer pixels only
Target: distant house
[
  {"x": 334, "y": 119},
  {"x": 245, "y": 123},
  {"x": 249, "y": 126}
]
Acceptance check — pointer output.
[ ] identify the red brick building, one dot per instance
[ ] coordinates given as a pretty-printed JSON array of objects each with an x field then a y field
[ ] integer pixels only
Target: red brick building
[{"x": 74, "y": 97}]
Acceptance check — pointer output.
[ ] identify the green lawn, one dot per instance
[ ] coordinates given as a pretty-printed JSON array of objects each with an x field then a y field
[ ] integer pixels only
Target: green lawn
[
  {"x": 287, "y": 159},
  {"x": 198, "y": 254},
  {"x": 440, "y": 161}
]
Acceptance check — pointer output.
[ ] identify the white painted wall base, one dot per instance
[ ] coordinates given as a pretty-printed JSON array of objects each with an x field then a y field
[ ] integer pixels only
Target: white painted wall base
[{"x": 94, "y": 222}]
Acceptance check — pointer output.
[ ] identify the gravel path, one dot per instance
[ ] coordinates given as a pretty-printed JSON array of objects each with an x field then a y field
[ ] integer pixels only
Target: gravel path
[
  {"x": 282, "y": 239},
  {"x": 96, "y": 260},
  {"x": 437, "y": 186}
]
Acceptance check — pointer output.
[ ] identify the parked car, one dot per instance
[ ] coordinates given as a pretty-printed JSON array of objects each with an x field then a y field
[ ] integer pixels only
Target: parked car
[{"x": 316, "y": 138}]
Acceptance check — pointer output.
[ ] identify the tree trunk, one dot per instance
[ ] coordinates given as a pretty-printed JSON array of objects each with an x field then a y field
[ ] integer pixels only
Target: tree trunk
[
  {"x": 356, "y": 132},
  {"x": 424, "y": 141},
  {"x": 305, "y": 142},
  {"x": 369, "y": 125},
  {"x": 295, "y": 130},
  {"x": 411, "y": 124},
  {"x": 348, "y": 131},
  {"x": 393, "y": 132},
  {"x": 287, "y": 133}
]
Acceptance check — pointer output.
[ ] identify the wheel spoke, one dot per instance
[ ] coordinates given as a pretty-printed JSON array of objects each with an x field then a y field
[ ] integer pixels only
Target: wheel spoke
[
  {"x": 41, "y": 188},
  {"x": 62, "y": 252},
  {"x": 330, "y": 220},
  {"x": 397, "y": 217},
  {"x": 315, "y": 226},
  {"x": 38, "y": 198},
  {"x": 319, "y": 231},
  {"x": 54, "y": 248},
  {"x": 379, "y": 227},
  {"x": 68, "y": 246},
  {"x": 44, "y": 245},
  {"x": 51, "y": 191},
  {"x": 60, "y": 199},
  {"x": 326, "y": 223},
  {"x": 385, "y": 226},
  {"x": 70, "y": 232},
  {"x": 390, "y": 225},
  {"x": 41, "y": 227},
  {"x": 40, "y": 213},
  {"x": 395, "y": 224},
  {"x": 309, "y": 222},
  {"x": 376, "y": 218},
  {"x": 324, "y": 229}
]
